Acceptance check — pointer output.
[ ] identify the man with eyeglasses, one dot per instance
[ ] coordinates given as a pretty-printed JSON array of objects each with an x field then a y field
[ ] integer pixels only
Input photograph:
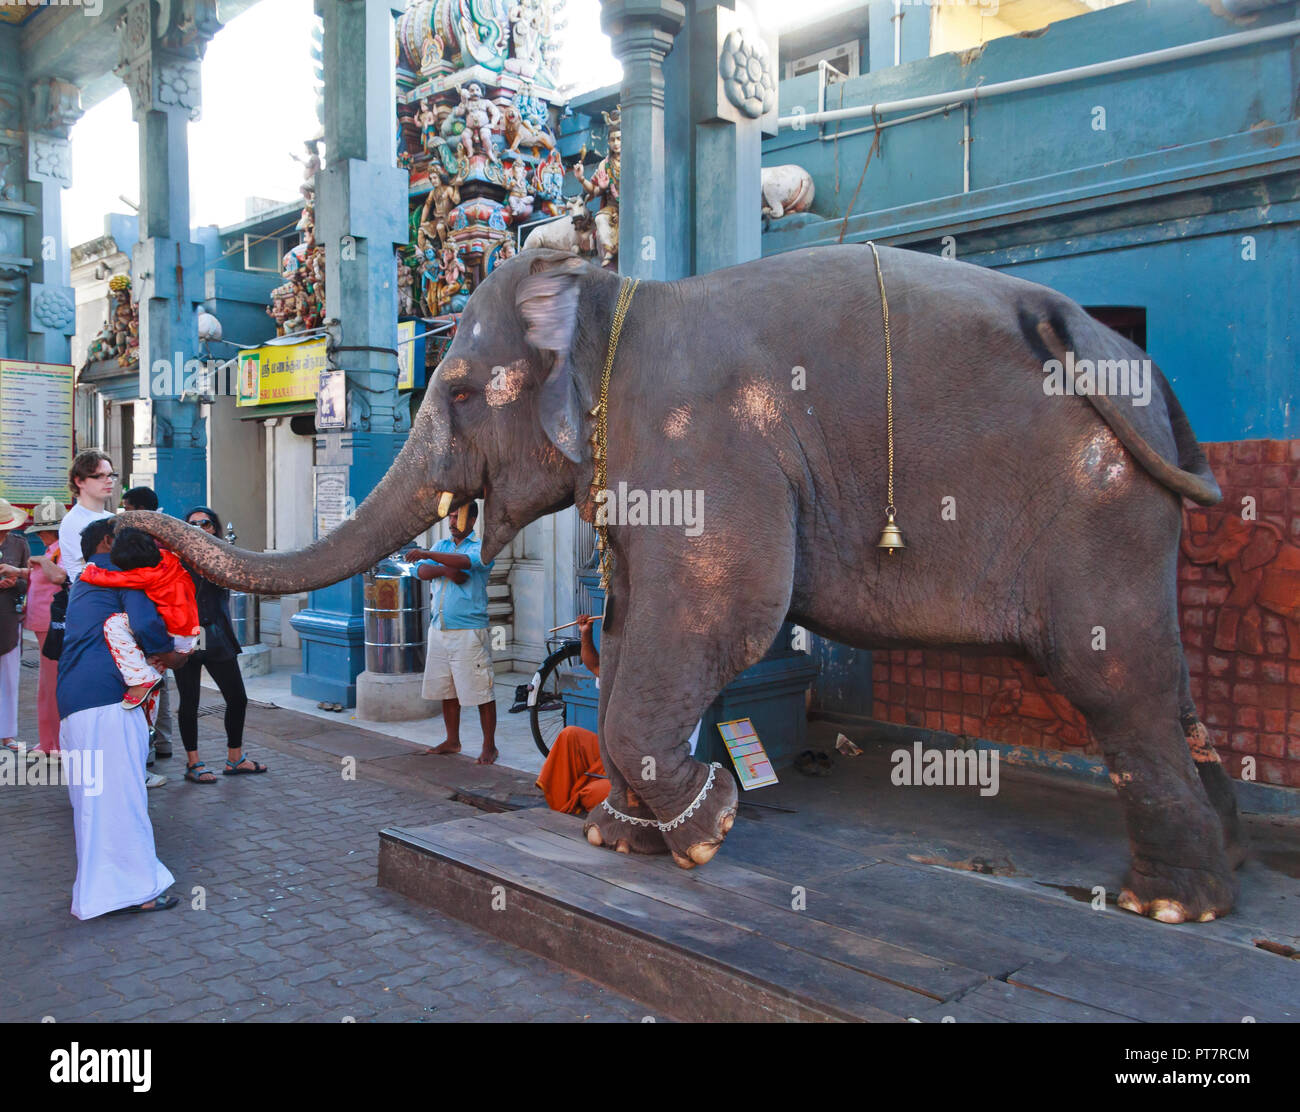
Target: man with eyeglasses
[{"x": 91, "y": 481}]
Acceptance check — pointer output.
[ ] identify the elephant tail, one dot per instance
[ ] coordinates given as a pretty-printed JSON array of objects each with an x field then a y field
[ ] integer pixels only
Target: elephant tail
[{"x": 1190, "y": 476}]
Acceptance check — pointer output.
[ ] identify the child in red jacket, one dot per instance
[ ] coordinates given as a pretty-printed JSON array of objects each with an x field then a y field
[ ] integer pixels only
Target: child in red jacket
[{"x": 160, "y": 575}]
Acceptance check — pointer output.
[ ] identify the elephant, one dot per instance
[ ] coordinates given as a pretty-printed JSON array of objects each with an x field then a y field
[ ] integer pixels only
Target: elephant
[
  {"x": 1264, "y": 570},
  {"x": 1036, "y": 523}
]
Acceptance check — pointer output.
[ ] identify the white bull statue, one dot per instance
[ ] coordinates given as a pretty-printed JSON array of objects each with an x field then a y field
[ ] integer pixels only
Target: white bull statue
[{"x": 786, "y": 189}]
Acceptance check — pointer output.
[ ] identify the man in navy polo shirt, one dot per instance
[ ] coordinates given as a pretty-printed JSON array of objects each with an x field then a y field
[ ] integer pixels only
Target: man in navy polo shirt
[{"x": 117, "y": 866}]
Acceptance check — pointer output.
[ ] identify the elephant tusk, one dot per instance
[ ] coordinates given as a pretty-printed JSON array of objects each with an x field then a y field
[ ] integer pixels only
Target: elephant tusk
[
  {"x": 444, "y": 503},
  {"x": 462, "y": 518}
]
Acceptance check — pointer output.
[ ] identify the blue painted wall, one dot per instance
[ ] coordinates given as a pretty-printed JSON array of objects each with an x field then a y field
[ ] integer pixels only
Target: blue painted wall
[{"x": 1154, "y": 211}]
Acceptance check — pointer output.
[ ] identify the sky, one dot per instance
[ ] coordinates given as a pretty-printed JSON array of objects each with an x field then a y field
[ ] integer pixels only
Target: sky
[{"x": 259, "y": 106}]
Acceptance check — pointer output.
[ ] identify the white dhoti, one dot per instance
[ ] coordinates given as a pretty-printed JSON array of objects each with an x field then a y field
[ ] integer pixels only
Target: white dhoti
[
  {"x": 117, "y": 865},
  {"x": 9, "y": 665}
]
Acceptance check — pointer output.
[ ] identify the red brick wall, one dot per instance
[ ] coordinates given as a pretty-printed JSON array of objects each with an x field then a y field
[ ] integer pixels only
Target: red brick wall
[{"x": 1245, "y": 670}]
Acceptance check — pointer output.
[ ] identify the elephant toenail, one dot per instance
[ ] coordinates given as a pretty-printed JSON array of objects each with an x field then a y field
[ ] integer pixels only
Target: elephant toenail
[
  {"x": 593, "y": 836},
  {"x": 1129, "y": 902},
  {"x": 702, "y": 852},
  {"x": 1168, "y": 911}
]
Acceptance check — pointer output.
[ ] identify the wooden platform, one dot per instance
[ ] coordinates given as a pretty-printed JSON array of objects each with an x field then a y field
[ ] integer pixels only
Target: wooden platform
[{"x": 779, "y": 928}]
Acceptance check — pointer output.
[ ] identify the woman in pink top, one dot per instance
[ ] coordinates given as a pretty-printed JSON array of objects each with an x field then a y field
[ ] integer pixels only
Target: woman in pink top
[{"x": 45, "y": 580}]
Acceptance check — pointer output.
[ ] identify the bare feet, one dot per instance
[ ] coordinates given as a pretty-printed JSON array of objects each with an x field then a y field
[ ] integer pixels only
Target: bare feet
[
  {"x": 445, "y": 749},
  {"x": 488, "y": 756}
]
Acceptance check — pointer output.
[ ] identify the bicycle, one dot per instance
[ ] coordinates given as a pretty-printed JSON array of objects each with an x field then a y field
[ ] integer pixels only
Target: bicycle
[{"x": 556, "y": 675}]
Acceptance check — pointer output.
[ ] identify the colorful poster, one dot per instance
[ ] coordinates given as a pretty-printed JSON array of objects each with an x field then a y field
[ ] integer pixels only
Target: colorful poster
[
  {"x": 332, "y": 401},
  {"x": 747, "y": 754},
  {"x": 35, "y": 431},
  {"x": 406, "y": 355},
  {"x": 280, "y": 373}
]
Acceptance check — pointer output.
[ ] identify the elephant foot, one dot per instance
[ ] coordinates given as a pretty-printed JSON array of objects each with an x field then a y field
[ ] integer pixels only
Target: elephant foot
[
  {"x": 603, "y": 828},
  {"x": 1178, "y": 895},
  {"x": 712, "y": 803}
]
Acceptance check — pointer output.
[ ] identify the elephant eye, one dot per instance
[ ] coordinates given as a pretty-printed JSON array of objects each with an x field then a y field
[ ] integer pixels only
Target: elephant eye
[{"x": 461, "y": 394}]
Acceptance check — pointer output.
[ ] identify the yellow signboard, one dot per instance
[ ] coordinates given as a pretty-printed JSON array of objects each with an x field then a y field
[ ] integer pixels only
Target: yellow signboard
[
  {"x": 35, "y": 431},
  {"x": 276, "y": 374},
  {"x": 406, "y": 355}
]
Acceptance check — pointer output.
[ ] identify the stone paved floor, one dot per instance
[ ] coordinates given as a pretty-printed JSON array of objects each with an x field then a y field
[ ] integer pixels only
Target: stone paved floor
[{"x": 294, "y": 926}]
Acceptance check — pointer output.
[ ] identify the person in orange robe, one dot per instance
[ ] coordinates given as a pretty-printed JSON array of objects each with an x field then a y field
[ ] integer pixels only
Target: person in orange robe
[{"x": 573, "y": 778}]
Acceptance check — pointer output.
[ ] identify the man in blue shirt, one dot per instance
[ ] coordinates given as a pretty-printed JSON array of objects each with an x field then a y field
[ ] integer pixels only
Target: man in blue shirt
[
  {"x": 105, "y": 744},
  {"x": 458, "y": 664}
]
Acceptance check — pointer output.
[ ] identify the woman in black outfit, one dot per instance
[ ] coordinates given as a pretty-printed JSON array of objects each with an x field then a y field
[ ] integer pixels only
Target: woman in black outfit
[{"x": 220, "y": 657}]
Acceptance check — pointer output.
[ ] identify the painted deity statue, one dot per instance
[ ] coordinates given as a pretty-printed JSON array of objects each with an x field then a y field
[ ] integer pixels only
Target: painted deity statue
[
  {"x": 481, "y": 117},
  {"x": 310, "y": 168},
  {"x": 428, "y": 121},
  {"x": 520, "y": 191},
  {"x": 124, "y": 322},
  {"x": 449, "y": 284},
  {"x": 433, "y": 230},
  {"x": 529, "y": 25},
  {"x": 405, "y": 289},
  {"x": 602, "y": 187}
]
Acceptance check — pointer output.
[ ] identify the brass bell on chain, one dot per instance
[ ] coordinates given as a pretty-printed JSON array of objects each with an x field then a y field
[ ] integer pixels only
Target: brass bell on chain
[{"x": 891, "y": 537}]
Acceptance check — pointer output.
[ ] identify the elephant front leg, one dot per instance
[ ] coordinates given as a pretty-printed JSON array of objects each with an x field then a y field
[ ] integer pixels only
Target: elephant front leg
[
  {"x": 622, "y": 821},
  {"x": 694, "y": 803}
]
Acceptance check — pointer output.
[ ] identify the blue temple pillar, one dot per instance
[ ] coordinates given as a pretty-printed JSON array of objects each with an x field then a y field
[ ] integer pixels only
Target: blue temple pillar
[
  {"x": 53, "y": 107},
  {"x": 729, "y": 112},
  {"x": 642, "y": 33},
  {"x": 160, "y": 49},
  {"x": 361, "y": 215},
  {"x": 708, "y": 104}
]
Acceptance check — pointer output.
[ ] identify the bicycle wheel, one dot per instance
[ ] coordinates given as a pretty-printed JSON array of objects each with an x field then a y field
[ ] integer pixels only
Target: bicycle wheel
[{"x": 546, "y": 710}]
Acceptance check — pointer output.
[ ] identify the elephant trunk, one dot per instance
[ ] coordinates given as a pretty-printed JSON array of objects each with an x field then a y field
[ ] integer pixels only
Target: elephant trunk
[{"x": 404, "y": 504}]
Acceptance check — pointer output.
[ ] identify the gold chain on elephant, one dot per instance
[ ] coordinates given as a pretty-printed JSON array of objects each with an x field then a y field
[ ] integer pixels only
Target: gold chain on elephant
[
  {"x": 890, "y": 538},
  {"x": 600, "y": 437}
]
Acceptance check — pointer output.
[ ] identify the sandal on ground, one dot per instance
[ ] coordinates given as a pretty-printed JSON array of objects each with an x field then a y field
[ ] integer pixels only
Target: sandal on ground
[
  {"x": 232, "y": 767},
  {"x": 813, "y": 763},
  {"x": 130, "y": 702},
  {"x": 194, "y": 773},
  {"x": 162, "y": 903}
]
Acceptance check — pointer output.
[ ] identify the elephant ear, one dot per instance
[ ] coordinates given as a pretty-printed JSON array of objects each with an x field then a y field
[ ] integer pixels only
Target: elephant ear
[
  {"x": 547, "y": 300},
  {"x": 1262, "y": 548}
]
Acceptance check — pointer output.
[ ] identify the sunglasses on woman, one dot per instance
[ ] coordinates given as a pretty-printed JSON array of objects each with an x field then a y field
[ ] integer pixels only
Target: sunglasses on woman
[{"x": 203, "y": 523}]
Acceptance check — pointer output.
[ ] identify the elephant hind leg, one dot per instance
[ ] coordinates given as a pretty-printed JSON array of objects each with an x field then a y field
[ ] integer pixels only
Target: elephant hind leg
[{"x": 1130, "y": 692}]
